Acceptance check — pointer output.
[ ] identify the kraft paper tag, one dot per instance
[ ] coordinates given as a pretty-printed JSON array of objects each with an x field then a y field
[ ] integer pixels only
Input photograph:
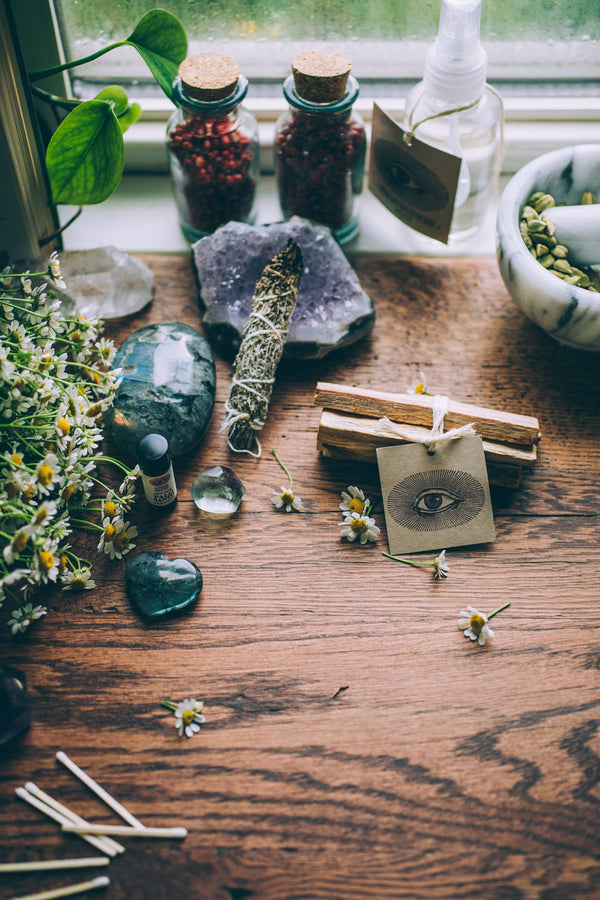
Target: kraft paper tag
[
  {"x": 436, "y": 501},
  {"x": 416, "y": 182}
]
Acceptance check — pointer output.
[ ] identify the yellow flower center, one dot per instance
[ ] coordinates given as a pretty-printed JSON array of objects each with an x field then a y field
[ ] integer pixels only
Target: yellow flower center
[
  {"x": 109, "y": 532},
  {"x": 121, "y": 541},
  {"x": 188, "y": 717},
  {"x": 62, "y": 563},
  {"x": 420, "y": 388},
  {"x": 359, "y": 526},
  {"x": 68, "y": 491},
  {"x": 46, "y": 560},
  {"x": 78, "y": 583},
  {"x": 287, "y": 499},
  {"x": 45, "y": 475},
  {"x": 16, "y": 459},
  {"x": 476, "y": 623},
  {"x": 75, "y": 335},
  {"x": 40, "y": 516},
  {"x": 28, "y": 492},
  {"x": 94, "y": 410},
  {"x": 18, "y": 542},
  {"x": 63, "y": 425},
  {"x": 356, "y": 505},
  {"x": 110, "y": 508}
]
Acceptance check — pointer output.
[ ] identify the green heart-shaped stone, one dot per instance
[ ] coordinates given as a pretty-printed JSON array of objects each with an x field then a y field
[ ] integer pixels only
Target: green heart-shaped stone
[{"x": 158, "y": 586}]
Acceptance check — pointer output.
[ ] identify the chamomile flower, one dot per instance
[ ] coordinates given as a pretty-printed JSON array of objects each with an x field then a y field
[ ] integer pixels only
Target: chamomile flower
[
  {"x": 51, "y": 410},
  {"x": 78, "y": 579},
  {"x": 360, "y": 527},
  {"x": 188, "y": 715},
  {"x": 439, "y": 564},
  {"x": 354, "y": 501},
  {"x": 419, "y": 386},
  {"x": 22, "y": 618},
  {"x": 474, "y": 623},
  {"x": 285, "y": 497}
]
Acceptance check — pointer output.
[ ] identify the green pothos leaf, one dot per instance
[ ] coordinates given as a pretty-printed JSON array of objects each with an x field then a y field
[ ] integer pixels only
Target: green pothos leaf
[
  {"x": 161, "y": 41},
  {"x": 85, "y": 155},
  {"x": 127, "y": 113}
]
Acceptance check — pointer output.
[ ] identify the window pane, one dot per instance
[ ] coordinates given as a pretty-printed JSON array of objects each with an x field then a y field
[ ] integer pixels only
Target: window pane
[{"x": 542, "y": 40}]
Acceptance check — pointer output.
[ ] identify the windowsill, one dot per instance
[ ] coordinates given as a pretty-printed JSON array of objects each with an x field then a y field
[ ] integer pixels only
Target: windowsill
[{"x": 141, "y": 217}]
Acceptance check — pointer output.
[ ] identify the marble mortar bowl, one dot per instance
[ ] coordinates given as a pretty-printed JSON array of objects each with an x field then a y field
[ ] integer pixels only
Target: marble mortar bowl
[{"x": 568, "y": 313}]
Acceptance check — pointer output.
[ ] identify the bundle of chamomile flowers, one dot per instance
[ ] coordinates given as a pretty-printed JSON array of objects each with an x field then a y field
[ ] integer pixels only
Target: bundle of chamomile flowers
[{"x": 56, "y": 382}]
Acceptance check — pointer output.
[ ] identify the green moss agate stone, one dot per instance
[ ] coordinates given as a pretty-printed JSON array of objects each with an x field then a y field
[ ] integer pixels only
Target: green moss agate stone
[
  {"x": 159, "y": 587},
  {"x": 168, "y": 387}
]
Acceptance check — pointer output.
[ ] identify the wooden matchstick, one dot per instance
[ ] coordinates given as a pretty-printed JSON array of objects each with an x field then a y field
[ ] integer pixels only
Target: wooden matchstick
[
  {"x": 98, "y": 790},
  {"x": 124, "y": 830},
  {"x": 43, "y": 865},
  {"x": 100, "y": 881},
  {"x": 109, "y": 846},
  {"x": 98, "y": 842}
]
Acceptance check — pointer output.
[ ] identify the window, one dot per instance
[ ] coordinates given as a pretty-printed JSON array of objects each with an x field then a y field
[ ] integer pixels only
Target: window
[{"x": 540, "y": 41}]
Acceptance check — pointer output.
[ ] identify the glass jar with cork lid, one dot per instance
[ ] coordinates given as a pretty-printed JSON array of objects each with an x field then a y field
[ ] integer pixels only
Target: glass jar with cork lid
[
  {"x": 213, "y": 145},
  {"x": 320, "y": 144}
]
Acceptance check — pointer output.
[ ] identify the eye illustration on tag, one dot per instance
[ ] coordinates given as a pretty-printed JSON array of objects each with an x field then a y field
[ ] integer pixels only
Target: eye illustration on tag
[
  {"x": 411, "y": 181},
  {"x": 435, "y": 499}
]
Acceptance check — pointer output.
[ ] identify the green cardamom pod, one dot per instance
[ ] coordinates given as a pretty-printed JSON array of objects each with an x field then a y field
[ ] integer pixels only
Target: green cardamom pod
[
  {"x": 588, "y": 198},
  {"x": 561, "y": 265},
  {"x": 543, "y": 202}
]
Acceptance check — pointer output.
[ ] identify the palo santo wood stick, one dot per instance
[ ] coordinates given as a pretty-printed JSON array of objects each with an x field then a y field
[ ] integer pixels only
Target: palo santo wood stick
[
  {"x": 47, "y": 865},
  {"x": 98, "y": 790},
  {"x": 416, "y": 409},
  {"x": 125, "y": 830},
  {"x": 68, "y": 890},
  {"x": 106, "y": 845},
  {"x": 357, "y": 437}
]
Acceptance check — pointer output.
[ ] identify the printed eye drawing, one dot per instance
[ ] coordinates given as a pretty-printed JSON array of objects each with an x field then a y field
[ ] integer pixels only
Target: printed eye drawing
[{"x": 435, "y": 500}]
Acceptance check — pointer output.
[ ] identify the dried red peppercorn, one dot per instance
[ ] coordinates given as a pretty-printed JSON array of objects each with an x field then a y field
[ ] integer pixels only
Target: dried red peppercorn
[
  {"x": 213, "y": 144},
  {"x": 320, "y": 146}
]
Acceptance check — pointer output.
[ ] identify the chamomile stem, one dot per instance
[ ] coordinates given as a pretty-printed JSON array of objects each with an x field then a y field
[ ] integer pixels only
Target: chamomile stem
[
  {"x": 274, "y": 452},
  {"x": 409, "y": 562},
  {"x": 496, "y": 611}
]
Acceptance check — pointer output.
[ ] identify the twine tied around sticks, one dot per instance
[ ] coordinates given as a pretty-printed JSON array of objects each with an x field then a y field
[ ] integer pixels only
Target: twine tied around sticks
[{"x": 437, "y": 436}]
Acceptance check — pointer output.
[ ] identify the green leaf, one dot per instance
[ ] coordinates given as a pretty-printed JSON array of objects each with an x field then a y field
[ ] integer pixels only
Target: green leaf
[
  {"x": 127, "y": 113},
  {"x": 130, "y": 116},
  {"x": 85, "y": 155},
  {"x": 115, "y": 95},
  {"x": 161, "y": 41}
]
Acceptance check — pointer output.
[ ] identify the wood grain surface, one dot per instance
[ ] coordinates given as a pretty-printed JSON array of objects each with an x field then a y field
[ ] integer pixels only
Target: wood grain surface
[{"x": 356, "y": 745}]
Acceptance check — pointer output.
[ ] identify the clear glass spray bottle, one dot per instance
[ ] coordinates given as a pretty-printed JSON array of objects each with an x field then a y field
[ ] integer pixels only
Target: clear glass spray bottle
[{"x": 453, "y": 109}]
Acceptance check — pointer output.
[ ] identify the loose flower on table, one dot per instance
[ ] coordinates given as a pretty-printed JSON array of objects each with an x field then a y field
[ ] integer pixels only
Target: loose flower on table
[
  {"x": 285, "y": 497},
  {"x": 358, "y": 523},
  {"x": 474, "y": 624},
  {"x": 188, "y": 715}
]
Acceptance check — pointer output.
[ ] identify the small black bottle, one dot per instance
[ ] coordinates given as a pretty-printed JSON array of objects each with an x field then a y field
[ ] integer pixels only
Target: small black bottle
[{"x": 157, "y": 472}]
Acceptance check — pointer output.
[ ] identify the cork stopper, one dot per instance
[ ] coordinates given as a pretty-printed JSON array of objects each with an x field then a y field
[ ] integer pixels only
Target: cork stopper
[
  {"x": 209, "y": 76},
  {"x": 320, "y": 77}
]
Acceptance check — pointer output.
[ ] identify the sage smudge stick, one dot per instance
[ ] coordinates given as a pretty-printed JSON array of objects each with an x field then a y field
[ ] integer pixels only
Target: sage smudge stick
[{"x": 262, "y": 345}]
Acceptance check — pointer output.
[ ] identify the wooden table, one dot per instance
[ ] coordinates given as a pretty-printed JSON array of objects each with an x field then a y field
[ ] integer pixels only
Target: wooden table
[{"x": 355, "y": 745}]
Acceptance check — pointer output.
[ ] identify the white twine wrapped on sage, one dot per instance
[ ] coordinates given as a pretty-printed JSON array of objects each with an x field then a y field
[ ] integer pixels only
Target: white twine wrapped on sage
[{"x": 261, "y": 349}]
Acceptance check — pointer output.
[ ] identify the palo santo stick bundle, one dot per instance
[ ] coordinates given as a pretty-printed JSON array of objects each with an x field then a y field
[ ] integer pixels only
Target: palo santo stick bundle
[
  {"x": 416, "y": 409},
  {"x": 262, "y": 345},
  {"x": 349, "y": 428}
]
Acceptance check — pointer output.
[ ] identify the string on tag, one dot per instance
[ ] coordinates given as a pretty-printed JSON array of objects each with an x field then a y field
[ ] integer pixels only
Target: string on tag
[
  {"x": 412, "y": 125},
  {"x": 437, "y": 435}
]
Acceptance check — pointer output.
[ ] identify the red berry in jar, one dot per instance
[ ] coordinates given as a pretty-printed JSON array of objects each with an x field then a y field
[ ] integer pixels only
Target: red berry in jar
[
  {"x": 213, "y": 146},
  {"x": 320, "y": 144}
]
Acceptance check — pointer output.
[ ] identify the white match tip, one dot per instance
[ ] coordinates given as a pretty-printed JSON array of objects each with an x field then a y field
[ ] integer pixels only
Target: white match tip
[
  {"x": 179, "y": 832},
  {"x": 101, "y": 881}
]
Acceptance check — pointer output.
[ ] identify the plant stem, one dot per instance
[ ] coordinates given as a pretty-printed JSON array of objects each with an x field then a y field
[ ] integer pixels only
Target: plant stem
[
  {"x": 500, "y": 608},
  {"x": 274, "y": 452},
  {"x": 54, "y": 99},
  {"x": 168, "y": 704},
  {"x": 409, "y": 562},
  {"x": 53, "y": 70}
]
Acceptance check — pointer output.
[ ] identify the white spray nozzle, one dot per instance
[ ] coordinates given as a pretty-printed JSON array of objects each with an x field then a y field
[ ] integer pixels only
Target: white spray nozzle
[{"x": 455, "y": 67}]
